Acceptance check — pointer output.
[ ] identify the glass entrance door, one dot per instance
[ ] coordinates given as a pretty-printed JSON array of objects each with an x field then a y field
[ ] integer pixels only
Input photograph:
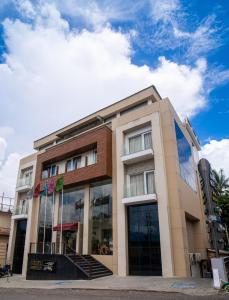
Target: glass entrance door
[
  {"x": 69, "y": 239},
  {"x": 19, "y": 246},
  {"x": 144, "y": 240}
]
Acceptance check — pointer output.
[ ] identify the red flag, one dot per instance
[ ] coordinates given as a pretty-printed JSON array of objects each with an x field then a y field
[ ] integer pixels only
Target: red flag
[{"x": 37, "y": 191}]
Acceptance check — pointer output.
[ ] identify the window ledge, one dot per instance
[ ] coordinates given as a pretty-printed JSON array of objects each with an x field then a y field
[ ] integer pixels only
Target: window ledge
[
  {"x": 139, "y": 199},
  {"x": 137, "y": 156}
]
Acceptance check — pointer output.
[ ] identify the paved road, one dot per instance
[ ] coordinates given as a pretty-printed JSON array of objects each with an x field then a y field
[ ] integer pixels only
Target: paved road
[{"x": 68, "y": 294}]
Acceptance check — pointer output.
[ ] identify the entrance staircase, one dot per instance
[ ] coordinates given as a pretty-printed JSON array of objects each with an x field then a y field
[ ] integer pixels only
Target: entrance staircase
[{"x": 91, "y": 267}]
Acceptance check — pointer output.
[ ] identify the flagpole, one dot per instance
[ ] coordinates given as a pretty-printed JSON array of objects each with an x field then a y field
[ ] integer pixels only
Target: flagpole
[
  {"x": 52, "y": 217},
  {"x": 44, "y": 222},
  {"x": 61, "y": 220}
]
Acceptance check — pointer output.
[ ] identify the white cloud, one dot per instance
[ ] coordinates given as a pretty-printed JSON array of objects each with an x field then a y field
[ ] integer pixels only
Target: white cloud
[
  {"x": 217, "y": 152},
  {"x": 25, "y": 7},
  {"x": 8, "y": 174},
  {"x": 2, "y": 149},
  {"x": 53, "y": 75},
  {"x": 164, "y": 10},
  {"x": 8, "y": 169},
  {"x": 70, "y": 74},
  {"x": 6, "y": 131}
]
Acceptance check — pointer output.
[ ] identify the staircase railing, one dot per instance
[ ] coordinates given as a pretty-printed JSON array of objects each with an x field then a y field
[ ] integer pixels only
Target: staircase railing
[
  {"x": 81, "y": 256},
  {"x": 54, "y": 248}
]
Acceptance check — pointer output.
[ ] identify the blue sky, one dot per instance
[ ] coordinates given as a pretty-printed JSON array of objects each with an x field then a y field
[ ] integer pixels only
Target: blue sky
[{"x": 61, "y": 60}]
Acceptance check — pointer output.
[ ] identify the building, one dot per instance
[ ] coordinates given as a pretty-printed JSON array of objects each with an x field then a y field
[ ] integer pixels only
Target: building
[
  {"x": 131, "y": 197},
  {"x": 5, "y": 219}
]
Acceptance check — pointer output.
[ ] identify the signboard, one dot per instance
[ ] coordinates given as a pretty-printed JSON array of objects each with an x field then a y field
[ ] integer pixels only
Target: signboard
[{"x": 43, "y": 265}]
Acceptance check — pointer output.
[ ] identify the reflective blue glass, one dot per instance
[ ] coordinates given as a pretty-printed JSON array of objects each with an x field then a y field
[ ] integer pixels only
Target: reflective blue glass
[{"x": 187, "y": 171}]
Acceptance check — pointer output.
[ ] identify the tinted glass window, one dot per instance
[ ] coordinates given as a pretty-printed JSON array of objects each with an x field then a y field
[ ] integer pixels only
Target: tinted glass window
[
  {"x": 73, "y": 207},
  {"x": 101, "y": 219},
  {"x": 187, "y": 171}
]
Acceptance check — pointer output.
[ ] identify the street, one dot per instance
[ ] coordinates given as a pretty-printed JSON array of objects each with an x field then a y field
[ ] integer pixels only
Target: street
[{"x": 69, "y": 294}]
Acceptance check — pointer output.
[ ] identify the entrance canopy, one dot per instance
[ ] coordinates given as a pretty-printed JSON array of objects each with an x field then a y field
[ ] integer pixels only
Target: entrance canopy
[{"x": 66, "y": 227}]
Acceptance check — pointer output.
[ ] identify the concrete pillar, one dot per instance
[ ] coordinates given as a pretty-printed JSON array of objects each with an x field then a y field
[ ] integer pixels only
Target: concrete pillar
[
  {"x": 86, "y": 221},
  {"x": 121, "y": 210},
  {"x": 162, "y": 196},
  {"x": 27, "y": 238}
]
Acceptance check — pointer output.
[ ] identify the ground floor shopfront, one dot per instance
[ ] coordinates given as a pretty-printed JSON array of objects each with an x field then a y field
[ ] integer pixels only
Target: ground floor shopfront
[
  {"x": 85, "y": 220},
  {"x": 82, "y": 222}
]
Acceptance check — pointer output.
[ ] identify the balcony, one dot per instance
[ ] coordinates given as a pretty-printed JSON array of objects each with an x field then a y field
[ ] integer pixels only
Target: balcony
[
  {"x": 21, "y": 210},
  {"x": 24, "y": 184},
  {"x": 142, "y": 191}
]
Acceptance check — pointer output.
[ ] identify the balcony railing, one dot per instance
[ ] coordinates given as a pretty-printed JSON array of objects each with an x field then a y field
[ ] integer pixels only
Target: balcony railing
[
  {"x": 21, "y": 209},
  {"x": 141, "y": 147},
  {"x": 25, "y": 181},
  {"x": 6, "y": 203},
  {"x": 133, "y": 190}
]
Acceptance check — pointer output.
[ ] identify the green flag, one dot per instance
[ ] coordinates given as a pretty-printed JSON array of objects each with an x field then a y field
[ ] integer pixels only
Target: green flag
[{"x": 59, "y": 184}]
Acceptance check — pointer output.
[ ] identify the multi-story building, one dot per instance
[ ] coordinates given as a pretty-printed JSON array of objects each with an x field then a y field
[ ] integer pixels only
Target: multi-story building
[{"x": 131, "y": 196}]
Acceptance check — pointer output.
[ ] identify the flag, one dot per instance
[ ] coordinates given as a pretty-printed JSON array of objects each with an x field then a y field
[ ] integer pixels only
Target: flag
[
  {"x": 37, "y": 190},
  {"x": 51, "y": 187},
  {"x": 44, "y": 190},
  {"x": 59, "y": 184}
]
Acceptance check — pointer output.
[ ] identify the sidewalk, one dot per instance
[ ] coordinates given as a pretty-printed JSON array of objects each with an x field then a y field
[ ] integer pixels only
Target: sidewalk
[{"x": 189, "y": 286}]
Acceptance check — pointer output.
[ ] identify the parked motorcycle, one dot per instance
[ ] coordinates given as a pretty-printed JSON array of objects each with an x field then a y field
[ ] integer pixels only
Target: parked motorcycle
[{"x": 6, "y": 271}]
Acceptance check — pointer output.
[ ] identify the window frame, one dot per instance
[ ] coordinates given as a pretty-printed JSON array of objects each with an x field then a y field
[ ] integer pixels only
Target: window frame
[
  {"x": 132, "y": 134},
  {"x": 145, "y": 179}
]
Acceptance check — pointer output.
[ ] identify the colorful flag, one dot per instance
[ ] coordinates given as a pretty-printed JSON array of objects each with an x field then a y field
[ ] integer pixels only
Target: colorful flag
[
  {"x": 59, "y": 184},
  {"x": 44, "y": 190},
  {"x": 37, "y": 191},
  {"x": 51, "y": 187}
]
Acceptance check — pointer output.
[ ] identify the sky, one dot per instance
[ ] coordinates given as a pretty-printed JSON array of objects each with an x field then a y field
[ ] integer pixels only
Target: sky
[{"x": 62, "y": 60}]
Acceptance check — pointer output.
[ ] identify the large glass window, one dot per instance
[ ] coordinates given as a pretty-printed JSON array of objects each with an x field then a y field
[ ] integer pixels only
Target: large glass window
[
  {"x": 135, "y": 143},
  {"x": 73, "y": 207},
  {"x": 187, "y": 171},
  {"x": 45, "y": 224},
  {"x": 101, "y": 219},
  {"x": 140, "y": 142},
  {"x": 141, "y": 184}
]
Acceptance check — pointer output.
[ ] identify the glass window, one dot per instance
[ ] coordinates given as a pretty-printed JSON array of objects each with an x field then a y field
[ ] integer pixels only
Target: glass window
[
  {"x": 45, "y": 174},
  {"x": 187, "y": 171},
  {"x": 101, "y": 219},
  {"x": 95, "y": 156},
  {"x": 135, "y": 144},
  {"x": 150, "y": 187},
  {"x": 73, "y": 208},
  {"x": 53, "y": 170},
  {"x": 137, "y": 184},
  {"x": 45, "y": 224},
  {"x": 77, "y": 162},
  {"x": 147, "y": 140},
  {"x": 141, "y": 184},
  {"x": 69, "y": 165}
]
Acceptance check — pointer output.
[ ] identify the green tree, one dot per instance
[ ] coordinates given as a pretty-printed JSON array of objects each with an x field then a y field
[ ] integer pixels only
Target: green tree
[
  {"x": 221, "y": 194},
  {"x": 220, "y": 182}
]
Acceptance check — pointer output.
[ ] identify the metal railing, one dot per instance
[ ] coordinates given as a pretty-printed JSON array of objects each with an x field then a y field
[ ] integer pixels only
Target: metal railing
[
  {"x": 6, "y": 203},
  {"x": 54, "y": 248},
  {"x": 24, "y": 181},
  {"x": 22, "y": 208},
  {"x": 142, "y": 147},
  {"x": 132, "y": 190}
]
